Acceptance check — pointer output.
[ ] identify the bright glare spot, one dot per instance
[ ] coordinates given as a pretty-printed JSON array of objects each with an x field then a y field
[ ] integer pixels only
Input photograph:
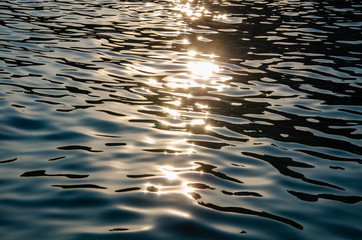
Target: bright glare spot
[
  {"x": 220, "y": 88},
  {"x": 208, "y": 127},
  {"x": 176, "y": 103},
  {"x": 167, "y": 170},
  {"x": 185, "y": 41},
  {"x": 197, "y": 122},
  {"x": 180, "y": 125},
  {"x": 178, "y": 85},
  {"x": 221, "y": 16},
  {"x": 172, "y": 112},
  {"x": 177, "y": 142},
  {"x": 192, "y": 53},
  {"x": 201, "y": 106},
  {"x": 205, "y": 11},
  {"x": 190, "y": 151},
  {"x": 152, "y": 81},
  {"x": 187, "y": 190},
  {"x": 146, "y": 228},
  {"x": 149, "y": 141},
  {"x": 203, "y": 69},
  {"x": 179, "y": 213}
]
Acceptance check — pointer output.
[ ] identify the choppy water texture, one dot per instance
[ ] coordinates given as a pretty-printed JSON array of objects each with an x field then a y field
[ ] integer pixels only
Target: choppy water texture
[{"x": 176, "y": 120}]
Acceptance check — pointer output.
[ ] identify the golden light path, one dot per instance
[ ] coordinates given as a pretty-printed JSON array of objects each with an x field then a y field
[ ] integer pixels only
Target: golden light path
[{"x": 195, "y": 71}]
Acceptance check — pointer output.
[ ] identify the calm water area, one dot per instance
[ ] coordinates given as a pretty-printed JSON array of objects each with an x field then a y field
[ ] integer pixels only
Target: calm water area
[{"x": 175, "y": 119}]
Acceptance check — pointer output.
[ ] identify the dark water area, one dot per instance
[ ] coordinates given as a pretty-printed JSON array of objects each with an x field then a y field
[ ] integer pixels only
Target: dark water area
[{"x": 180, "y": 119}]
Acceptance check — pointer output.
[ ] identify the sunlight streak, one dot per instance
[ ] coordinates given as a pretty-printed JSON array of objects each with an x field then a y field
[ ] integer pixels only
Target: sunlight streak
[
  {"x": 176, "y": 102},
  {"x": 201, "y": 106},
  {"x": 197, "y": 122},
  {"x": 179, "y": 213}
]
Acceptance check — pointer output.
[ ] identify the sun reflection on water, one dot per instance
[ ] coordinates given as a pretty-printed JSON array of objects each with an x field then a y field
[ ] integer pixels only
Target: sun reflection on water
[
  {"x": 185, "y": 41},
  {"x": 193, "y": 71},
  {"x": 187, "y": 190},
  {"x": 208, "y": 127},
  {"x": 149, "y": 141},
  {"x": 171, "y": 182},
  {"x": 203, "y": 69},
  {"x": 192, "y": 53},
  {"x": 197, "y": 122},
  {"x": 179, "y": 213},
  {"x": 201, "y": 106},
  {"x": 169, "y": 174},
  {"x": 172, "y": 112}
]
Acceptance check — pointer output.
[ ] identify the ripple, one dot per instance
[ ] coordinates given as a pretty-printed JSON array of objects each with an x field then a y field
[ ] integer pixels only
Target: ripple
[{"x": 133, "y": 120}]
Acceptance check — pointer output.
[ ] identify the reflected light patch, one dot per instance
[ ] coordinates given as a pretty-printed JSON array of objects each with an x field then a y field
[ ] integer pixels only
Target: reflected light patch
[
  {"x": 176, "y": 103},
  {"x": 190, "y": 151},
  {"x": 192, "y": 53},
  {"x": 169, "y": 173},
  {"x": 198, "y": 14},
  {"x": 188, "y": 10},
  {"x": 197, "y": 122},
  {"x": 208, "y": 127},
  {"x": 187, "y": 190},
  {"x": 179, "y": 213},
  {"x": 149, "y": 140},
  {"x": 181, "y": 125},
  {"x": 154, "y": 83},
  {"x": 203, "y": 69},
  {"x": 201, "y": 38},
  {"x": 201, "y": 106},
  {"x": 172, "y": 112},
  {"x": 178, "y": 85},
  {"x": 180, "y": 141},
  {"x": 221, "y": 16}
]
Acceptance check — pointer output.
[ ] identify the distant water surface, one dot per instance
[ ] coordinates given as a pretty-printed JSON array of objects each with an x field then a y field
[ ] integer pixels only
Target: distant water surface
[{"x": 180, "y": 119}]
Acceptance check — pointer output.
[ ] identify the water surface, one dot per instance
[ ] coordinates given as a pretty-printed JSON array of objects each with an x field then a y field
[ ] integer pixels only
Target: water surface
[{"x": 180, "y": 119}]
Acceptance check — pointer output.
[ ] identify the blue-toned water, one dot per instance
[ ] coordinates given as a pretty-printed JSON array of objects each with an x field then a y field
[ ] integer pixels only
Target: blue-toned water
[{"x": 180, "y": 119}]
